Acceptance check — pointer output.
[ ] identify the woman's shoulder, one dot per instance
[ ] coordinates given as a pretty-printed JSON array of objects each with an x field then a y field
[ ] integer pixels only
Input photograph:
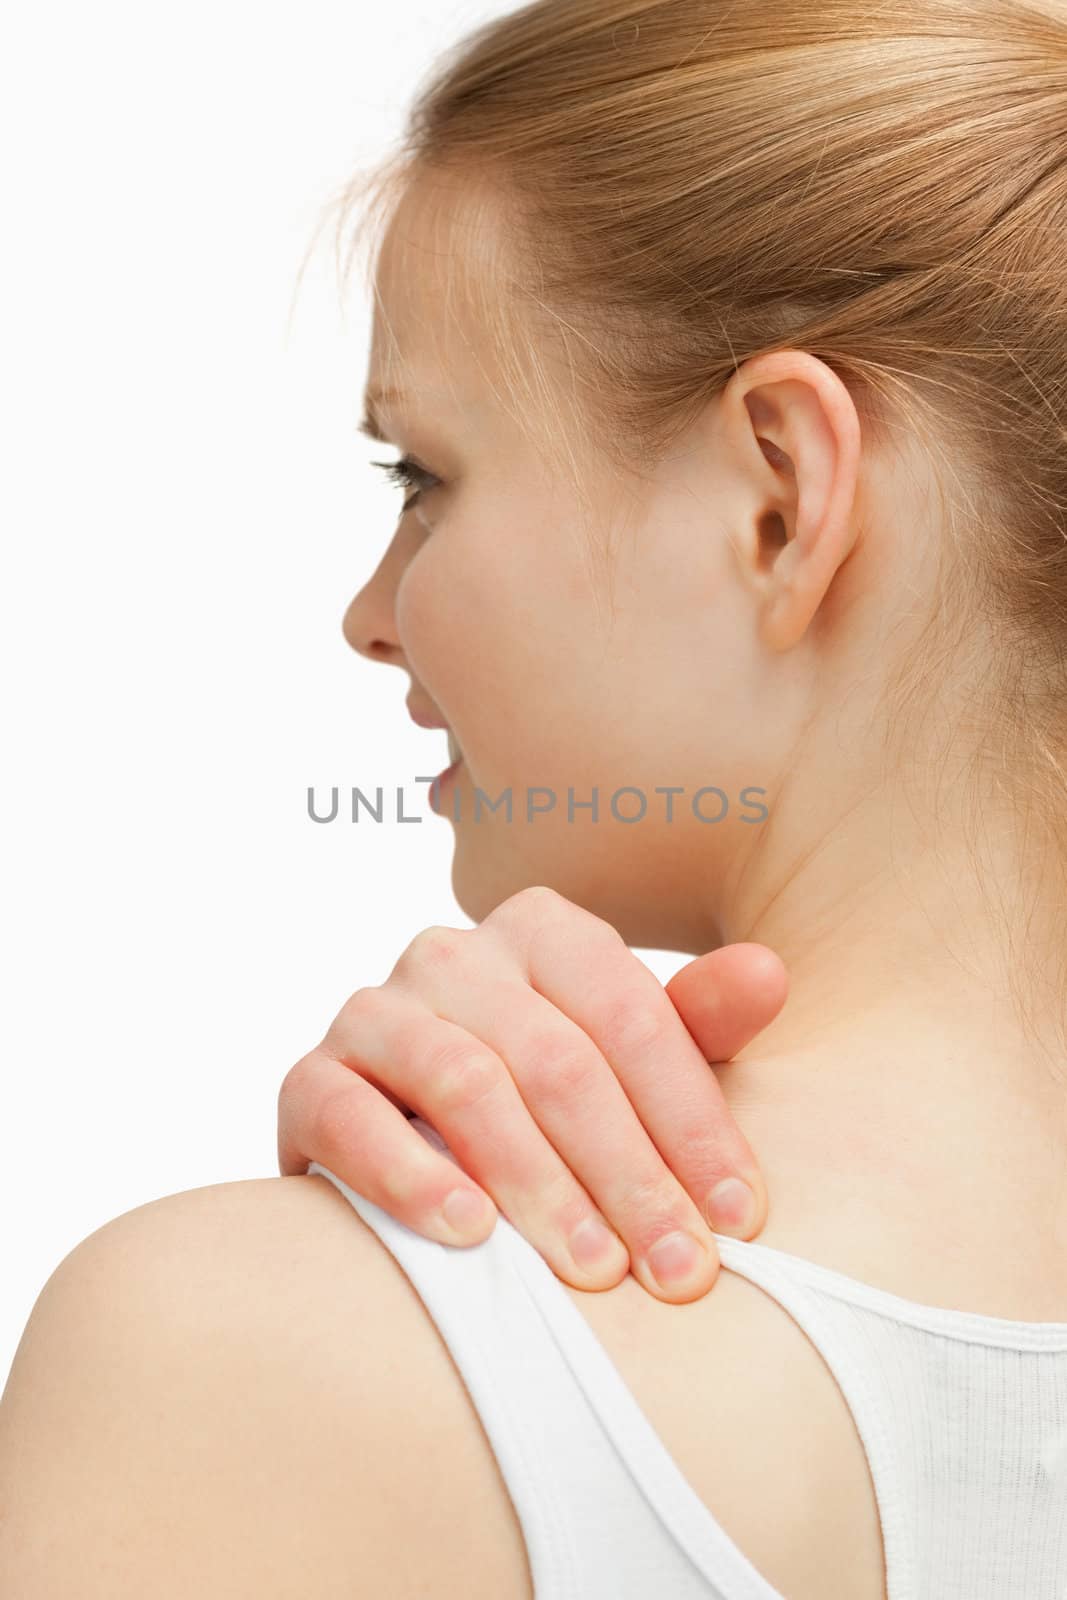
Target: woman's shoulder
[
  {"x": 248, "y": 1360},
  {"x": 737, "y": 1392},
  {"x": 238, "y": 1389}
]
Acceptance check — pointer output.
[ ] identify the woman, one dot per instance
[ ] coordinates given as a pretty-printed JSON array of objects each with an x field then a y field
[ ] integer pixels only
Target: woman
[{"x": 726, "y": 350}]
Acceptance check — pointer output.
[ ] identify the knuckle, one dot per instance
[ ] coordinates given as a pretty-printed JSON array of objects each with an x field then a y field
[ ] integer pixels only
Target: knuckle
[
  {"x": 539, "y": 911},
  {"x": 431, "y": 948},
  {"x": 655, "y": 1202},
  {"x": 461, "y": 1074},
  {"x": 290, "y": 1087},
  {"x": 361, "y": 1012},
  {"x": 404, "y": 1185},
  {"x": 335, "y": 1118},
  {"x": 536, "y": 895},
  {"x": 360, "y": 1005},
  {"x": 533, "y": 904},
  {"x": 696, "y": 1140},
  {"x": 559, "y": 1069},
  {"x": 563, "y": 1202},
  {"x": 631, "y": 1026},
  {"x": 519, "y": 909}
]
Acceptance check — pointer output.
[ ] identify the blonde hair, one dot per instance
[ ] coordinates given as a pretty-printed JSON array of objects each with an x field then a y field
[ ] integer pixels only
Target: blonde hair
[{"x": 679, "y": 186}]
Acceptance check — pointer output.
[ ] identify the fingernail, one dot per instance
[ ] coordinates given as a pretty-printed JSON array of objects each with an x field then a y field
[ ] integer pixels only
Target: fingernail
[
  {"x": 592, "y": 1243},
  {"x": 674, "y": 1258},
  {"x": 465, "y": 1210},
  {"x": 731, "y": 1207}
]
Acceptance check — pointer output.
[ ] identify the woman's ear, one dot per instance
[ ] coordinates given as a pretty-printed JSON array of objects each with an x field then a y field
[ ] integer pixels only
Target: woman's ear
[{"x": 801, "y": 449}]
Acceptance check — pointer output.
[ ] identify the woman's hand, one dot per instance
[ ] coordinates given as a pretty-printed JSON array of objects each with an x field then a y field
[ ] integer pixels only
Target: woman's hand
[{"x": 565, "y": 1080}]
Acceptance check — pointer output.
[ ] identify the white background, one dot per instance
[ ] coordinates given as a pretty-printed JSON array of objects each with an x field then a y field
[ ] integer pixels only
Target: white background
[{"x": 186, "y": 510}]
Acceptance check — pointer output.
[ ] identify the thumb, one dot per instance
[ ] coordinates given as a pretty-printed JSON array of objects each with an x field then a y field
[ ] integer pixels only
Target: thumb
[{"x": 727, "y": 996}]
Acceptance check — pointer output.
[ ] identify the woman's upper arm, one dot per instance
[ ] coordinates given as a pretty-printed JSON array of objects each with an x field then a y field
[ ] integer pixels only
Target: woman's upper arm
[{"x": 235, "y": 1392}]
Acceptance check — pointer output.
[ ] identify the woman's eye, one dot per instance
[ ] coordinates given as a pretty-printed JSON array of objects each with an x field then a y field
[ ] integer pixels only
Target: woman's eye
[{"x": 407, "y": 474}]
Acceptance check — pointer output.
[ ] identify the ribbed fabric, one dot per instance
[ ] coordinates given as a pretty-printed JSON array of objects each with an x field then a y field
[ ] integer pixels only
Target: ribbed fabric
[{"x": 963, "y": 1418}]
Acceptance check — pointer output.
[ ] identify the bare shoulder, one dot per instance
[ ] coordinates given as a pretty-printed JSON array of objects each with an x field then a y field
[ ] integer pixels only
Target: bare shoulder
[
  {"x": 756, "y": 1422},
  {"x": 236, "y": 1391}
]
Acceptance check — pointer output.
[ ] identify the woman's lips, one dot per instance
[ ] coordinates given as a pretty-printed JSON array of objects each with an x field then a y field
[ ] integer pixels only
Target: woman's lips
[
  {"x": 424, "y": 717},
  {"x": 456, "y": 755},
  {"x": 442, "y": 780}
]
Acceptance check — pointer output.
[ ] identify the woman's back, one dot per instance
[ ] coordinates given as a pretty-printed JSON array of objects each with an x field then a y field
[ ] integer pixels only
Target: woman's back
[{"x": 815, "y": 1435}]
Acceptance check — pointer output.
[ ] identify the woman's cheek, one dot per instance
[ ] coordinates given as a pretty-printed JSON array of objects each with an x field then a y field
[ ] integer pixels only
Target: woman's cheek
[{"x": 427, "y": 618}]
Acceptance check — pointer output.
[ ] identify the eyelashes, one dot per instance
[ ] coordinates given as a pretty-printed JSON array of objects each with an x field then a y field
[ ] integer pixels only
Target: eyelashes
[{"x": 407, "y": 474}]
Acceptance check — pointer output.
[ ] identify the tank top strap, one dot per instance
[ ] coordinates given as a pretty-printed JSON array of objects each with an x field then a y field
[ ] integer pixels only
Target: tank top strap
[
  {"x": 839, "y": 1335},
  {"x": 924, "y": 1385},
  {"x": 603, "y": 1506}
]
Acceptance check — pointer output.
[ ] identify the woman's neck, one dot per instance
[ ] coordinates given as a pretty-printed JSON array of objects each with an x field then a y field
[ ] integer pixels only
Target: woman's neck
[{"x": 912, "y": 1095}]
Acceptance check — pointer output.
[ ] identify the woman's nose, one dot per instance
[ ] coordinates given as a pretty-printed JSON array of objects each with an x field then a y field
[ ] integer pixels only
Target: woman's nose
[{"x": 369, "y": 624}]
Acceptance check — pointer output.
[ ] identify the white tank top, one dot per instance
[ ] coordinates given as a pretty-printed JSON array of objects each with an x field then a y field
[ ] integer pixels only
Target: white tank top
[{"x": 963, "y": 1418}]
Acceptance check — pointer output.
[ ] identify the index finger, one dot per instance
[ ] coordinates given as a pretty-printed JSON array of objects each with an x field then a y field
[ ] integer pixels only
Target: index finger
[{"x": 614, "y": 998}]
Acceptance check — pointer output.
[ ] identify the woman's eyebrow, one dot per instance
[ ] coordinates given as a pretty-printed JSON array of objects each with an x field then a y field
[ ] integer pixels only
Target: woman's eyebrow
[{"x": 370, "y": 425}]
